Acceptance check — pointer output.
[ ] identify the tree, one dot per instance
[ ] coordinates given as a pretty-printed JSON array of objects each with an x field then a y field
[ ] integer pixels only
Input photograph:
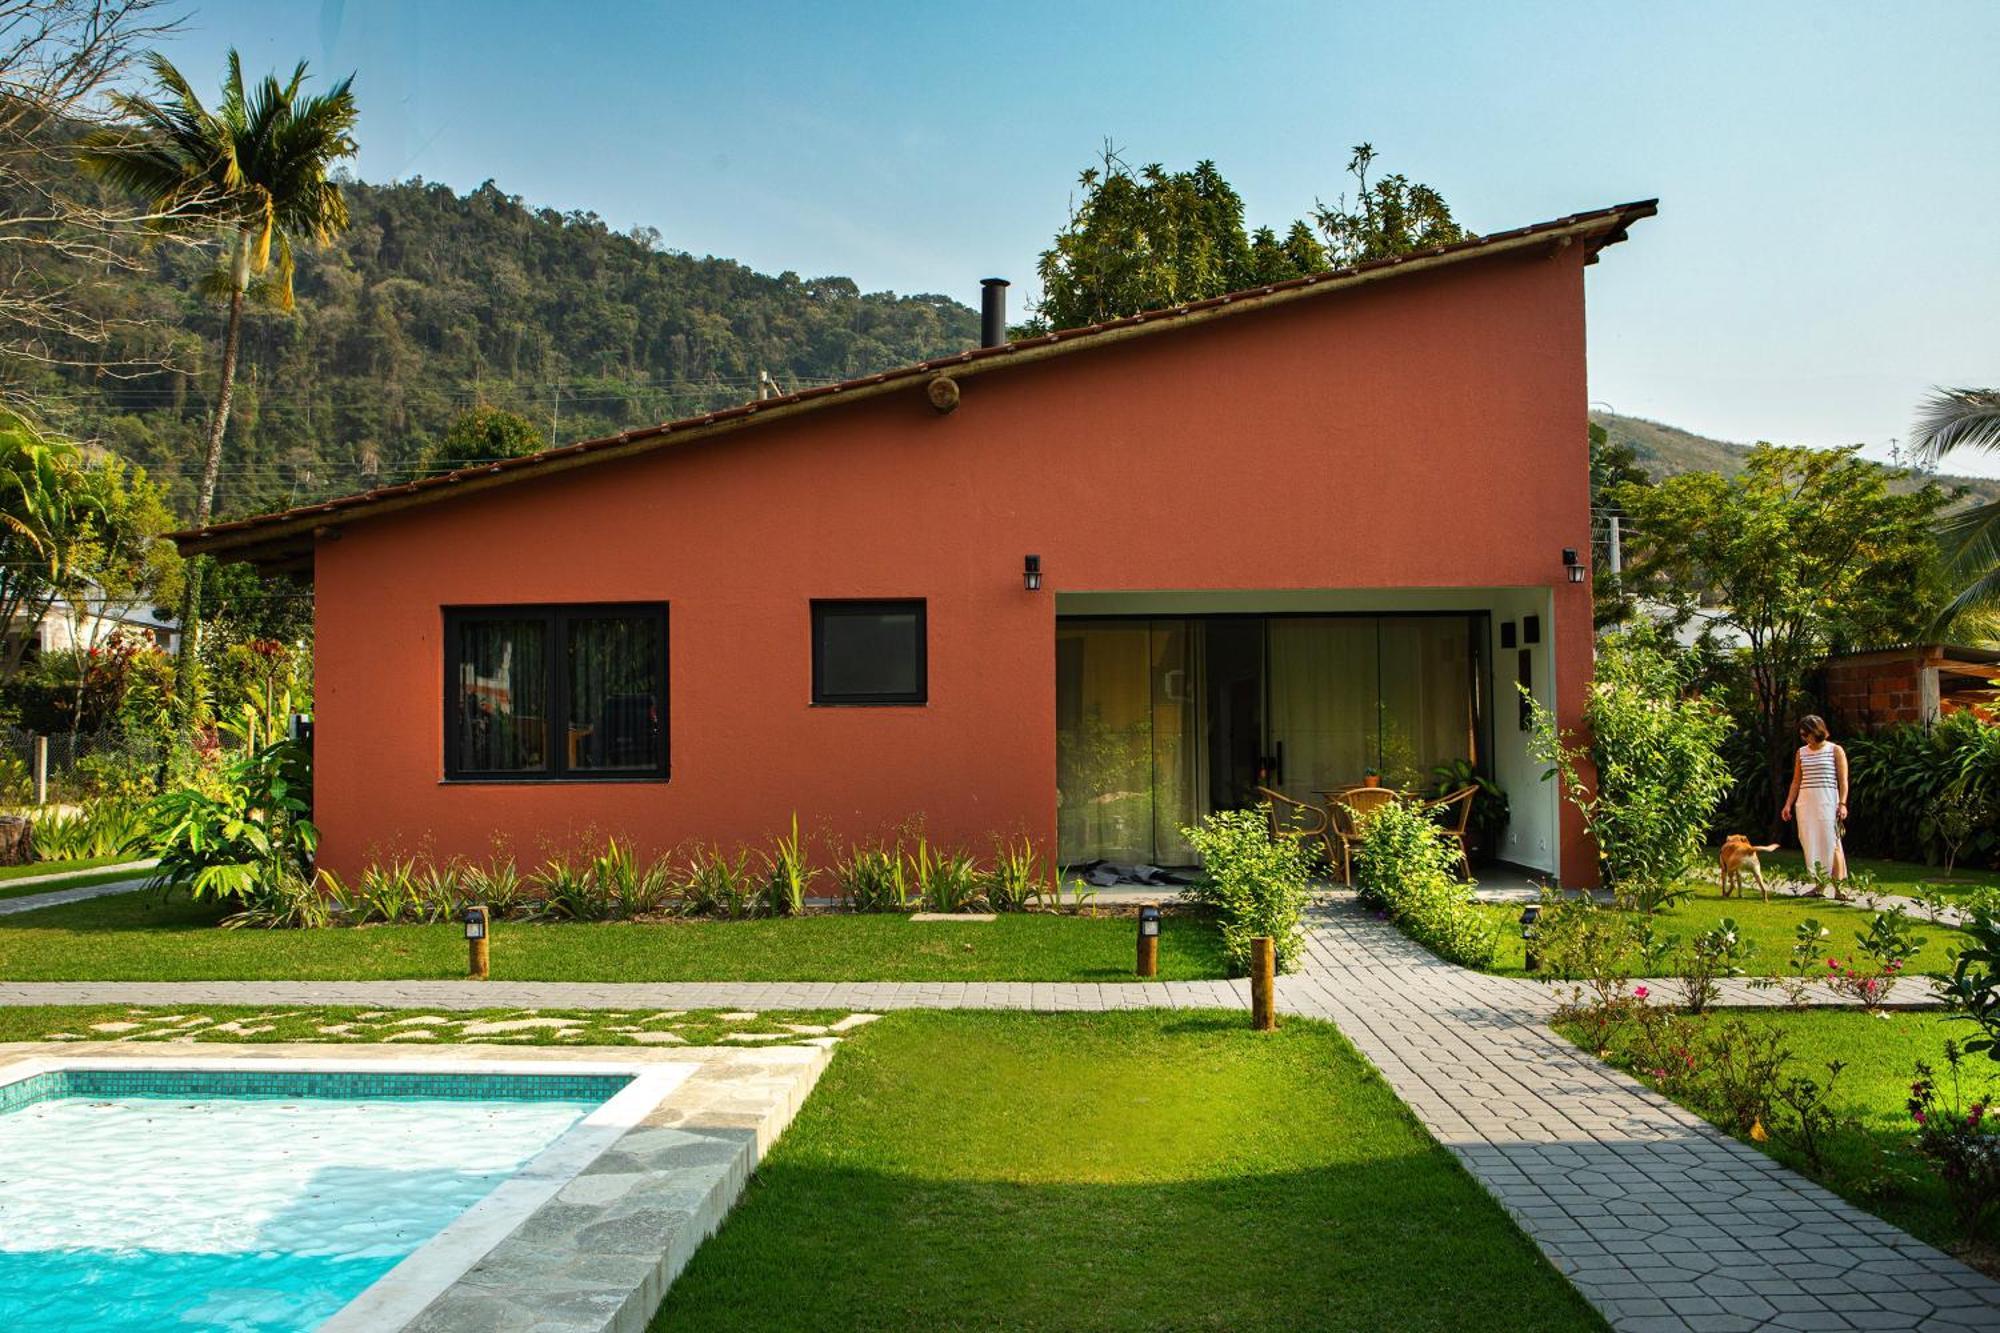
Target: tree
[
  {"x": 58, "y": 243},
  {"x": 1954, "y": 419},
  {"x": 484, "y": 435},
  {"x": 1152, "y": 238},
  {"x": 77, "y": 534},
  {"x": 1803, "y": 552},
  {"x": 254, "y": 172},
  {"x": 1394, "y": 216},
  {"x": 1613, "y": 466}
]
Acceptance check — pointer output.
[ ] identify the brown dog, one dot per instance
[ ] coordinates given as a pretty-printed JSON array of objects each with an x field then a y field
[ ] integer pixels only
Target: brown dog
[{"x": 1738, "y": 852}]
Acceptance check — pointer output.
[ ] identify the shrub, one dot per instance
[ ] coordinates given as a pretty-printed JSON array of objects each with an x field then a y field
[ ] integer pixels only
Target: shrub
[
  {"x": 947, "y": 881},
  {"x": 1913, "y": 787},
  {"x": 1961, "y": 1141},
  {"x": 250, "y": 839},
  {"x": 1405, "y": 860},
  {"x": 1881, "y": 954},
  {"x": 872, "y": 879},
  {"x": 101, "y": 828},
  {"x": 788, "y": 876},
  {"x": 715, "y": 884},
  {"x": 1701, "y": 964},
  {"x": 1019, "y": 879},
  {"x": 1657, "y": 748},
  {"x": 1256, "y": 884}
]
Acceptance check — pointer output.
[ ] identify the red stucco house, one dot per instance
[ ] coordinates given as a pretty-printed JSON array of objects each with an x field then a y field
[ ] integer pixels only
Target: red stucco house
[{"x": 1083, "y": 586}]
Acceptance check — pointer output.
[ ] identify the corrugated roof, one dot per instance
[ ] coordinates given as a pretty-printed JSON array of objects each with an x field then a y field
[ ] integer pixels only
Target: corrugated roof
[{"x": 287, "y": 534}]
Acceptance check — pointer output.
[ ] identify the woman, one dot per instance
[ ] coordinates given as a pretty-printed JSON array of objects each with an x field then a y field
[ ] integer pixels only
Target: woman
[{"x": 1819, "y": 797}]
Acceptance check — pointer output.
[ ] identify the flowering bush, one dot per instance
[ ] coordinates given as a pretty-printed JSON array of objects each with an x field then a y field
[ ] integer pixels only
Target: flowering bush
[
  {"x": 1961, "y": 1141},
  {"x": 1258, "y": 884},
  {"x": 1718, "y": 952},
  {"x": 1882, "y": 954}
]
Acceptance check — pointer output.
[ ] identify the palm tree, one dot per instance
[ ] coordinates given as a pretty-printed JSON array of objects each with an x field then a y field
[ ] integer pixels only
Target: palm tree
[
  {"x": 1970, "y": 418},
  {"x": 254, "y": 171}
]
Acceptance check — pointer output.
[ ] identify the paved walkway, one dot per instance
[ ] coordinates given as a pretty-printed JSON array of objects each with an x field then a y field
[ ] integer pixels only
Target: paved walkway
[
  {"x": 56, "y": 898},
  {"x": 1660, "y": 1220}
]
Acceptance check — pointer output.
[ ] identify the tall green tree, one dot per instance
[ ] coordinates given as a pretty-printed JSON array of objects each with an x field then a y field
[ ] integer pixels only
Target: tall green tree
[
  {"x": 256, "y": 173},
  {"x": 1955, "y": 419},
  {"x": 484, "y": 434},
  {"x": 1802, "y": 552},
  {"x": 1140, "y": 240},
  {"x": 1391, "y": 216}
]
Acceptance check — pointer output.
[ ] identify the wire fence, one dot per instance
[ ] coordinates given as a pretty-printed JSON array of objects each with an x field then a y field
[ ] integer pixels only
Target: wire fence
[{"x": 75, "y": 768}]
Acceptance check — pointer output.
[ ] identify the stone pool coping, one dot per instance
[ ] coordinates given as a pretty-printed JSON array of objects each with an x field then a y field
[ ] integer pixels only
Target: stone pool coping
[{"x": 598, "y": 1255}]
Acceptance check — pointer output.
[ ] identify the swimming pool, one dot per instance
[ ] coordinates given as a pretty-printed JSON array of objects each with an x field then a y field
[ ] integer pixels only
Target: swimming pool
[{"x": 267, "y": 1199}]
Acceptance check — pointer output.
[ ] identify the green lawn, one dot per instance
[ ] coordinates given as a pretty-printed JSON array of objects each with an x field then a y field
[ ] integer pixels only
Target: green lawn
[
  {"x": 75, "y": 875},
  {"x": 1907, "y": 878},
  {"x": 133, "y": 937},
  {"x": 331, "y": 1025},
  {"x": 1137, "y": 1171},
  {"x": 1769, "y": 926},
  {"x": 1870, "y": 1163}
]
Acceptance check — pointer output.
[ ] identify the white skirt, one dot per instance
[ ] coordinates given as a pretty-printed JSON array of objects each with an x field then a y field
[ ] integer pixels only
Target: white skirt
[{"x": 1818, "y": 814}]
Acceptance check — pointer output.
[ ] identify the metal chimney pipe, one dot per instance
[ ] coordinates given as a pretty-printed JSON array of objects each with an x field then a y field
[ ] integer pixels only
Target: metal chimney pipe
[{"x": 992, "y": 312}]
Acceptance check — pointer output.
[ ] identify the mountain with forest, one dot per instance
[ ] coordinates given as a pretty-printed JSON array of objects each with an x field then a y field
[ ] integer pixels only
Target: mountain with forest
[
  {"x": 433, "y": 302},
  {"x": 1665, "y": 451}
]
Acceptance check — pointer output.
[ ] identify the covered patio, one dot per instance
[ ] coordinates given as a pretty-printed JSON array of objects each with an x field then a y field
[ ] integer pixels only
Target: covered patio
[{"x": 1170, "y": 705}]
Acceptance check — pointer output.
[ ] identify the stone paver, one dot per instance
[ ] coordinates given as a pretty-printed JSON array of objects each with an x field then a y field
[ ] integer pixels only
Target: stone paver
[{"x": 1659, "y": 1219}]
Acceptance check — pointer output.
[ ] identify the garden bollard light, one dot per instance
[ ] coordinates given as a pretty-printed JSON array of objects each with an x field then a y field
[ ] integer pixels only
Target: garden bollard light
[
  {"x": 1149, "y": 940},
  {"x": 1263, "y": 976},
  {"x": 1529, "y": 915},
  {"x": 476, "y": 919}
]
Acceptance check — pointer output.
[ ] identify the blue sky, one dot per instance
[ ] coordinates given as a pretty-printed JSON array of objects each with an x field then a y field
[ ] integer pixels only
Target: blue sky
[{"x": 1825, "y": 250}]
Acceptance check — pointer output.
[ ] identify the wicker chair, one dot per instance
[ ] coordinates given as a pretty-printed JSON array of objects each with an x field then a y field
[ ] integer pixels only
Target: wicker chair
[
  {"x": 1348, "y": 816},
  {"x": 1455, "y": 826},
  {"x": 1297, "y": 821}
]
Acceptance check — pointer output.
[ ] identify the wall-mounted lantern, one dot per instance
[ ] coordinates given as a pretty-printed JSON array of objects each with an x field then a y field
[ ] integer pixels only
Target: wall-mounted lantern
[
  {"x": 1031, "y": 573},
  {"x": 1572, "y": 564}
]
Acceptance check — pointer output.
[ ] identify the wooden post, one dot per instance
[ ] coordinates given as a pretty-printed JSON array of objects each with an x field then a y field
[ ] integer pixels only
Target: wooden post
[
  {"x": 1149, "y": 940},
  {"x": 476, "y": 944},
  {"x": 1263, "y": 975},
  {"x": 41, "y": 770}
]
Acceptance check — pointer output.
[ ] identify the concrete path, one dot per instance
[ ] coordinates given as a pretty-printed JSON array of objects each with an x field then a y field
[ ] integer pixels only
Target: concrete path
[
  {"x": 1660, "y": 1220},
  {"x": 56, "y": 898}
]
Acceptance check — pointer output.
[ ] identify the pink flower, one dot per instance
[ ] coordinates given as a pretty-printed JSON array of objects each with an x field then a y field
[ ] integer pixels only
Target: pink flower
[
  {"x": 1917, "y": 1116},
  {"x": 1640, "y": 992}
]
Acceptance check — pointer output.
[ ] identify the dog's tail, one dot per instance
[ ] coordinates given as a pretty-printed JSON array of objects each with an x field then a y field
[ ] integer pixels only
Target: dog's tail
[{"x": 1765, "y": 847}]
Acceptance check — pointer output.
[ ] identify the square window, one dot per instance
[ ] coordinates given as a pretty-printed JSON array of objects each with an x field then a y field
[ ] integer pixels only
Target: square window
[
  {"x": 869, "y": 653},
  {"x": 556, "y": 692}
]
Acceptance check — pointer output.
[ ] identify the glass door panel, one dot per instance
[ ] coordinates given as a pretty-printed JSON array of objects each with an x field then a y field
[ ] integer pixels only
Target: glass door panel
[
  {"x": 1429, "y": 696},
  {"x": 1323, "y": 703}
]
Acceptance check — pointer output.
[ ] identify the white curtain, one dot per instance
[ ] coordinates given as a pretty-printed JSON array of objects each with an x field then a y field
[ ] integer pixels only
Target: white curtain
[{"x": 1323, "y": 693}]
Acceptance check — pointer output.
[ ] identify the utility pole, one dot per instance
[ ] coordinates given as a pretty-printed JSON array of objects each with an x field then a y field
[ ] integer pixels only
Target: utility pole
[
  {"x": 555, "y": 411},
  {"x": 1617, "y": 548}
]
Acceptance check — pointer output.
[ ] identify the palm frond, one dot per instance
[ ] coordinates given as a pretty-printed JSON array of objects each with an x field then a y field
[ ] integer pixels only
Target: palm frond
[{"x": 1955, "y": 418}]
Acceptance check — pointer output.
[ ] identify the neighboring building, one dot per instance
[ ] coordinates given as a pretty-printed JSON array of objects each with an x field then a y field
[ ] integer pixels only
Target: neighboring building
[
  {"x": 1085, "y": 586},
  {"x": 95, "y": 622},
  {"x": 1912, "y": 682}
]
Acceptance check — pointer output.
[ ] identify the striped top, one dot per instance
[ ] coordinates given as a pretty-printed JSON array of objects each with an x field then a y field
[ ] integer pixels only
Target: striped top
[{"x": 1817, "y": 771}]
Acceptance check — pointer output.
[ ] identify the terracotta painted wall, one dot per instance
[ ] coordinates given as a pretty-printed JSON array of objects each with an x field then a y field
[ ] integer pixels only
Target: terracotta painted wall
[{"x": 1423, "y": 432}]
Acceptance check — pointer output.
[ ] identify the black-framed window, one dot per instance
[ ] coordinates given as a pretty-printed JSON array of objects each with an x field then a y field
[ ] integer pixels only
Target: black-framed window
[
  {"x": 869, "y": 652},
  {"x": 556, "y": 693}
]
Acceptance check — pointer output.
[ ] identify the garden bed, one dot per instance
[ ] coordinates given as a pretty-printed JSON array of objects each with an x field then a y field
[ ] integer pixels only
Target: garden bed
[
  {"x": 1112, "y": 1171},
  {"x": 140, "y": 937},
  {"x": 1868, "y": 1161}
]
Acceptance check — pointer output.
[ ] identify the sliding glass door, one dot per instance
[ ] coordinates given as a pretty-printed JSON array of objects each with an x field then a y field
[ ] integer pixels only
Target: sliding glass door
[
  {"x": 1129, "y": 771},
  {"x": 1160, "y": 721}
]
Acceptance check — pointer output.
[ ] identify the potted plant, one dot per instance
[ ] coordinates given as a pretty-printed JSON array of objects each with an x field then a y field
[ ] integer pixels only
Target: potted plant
[
  {"x": 1489, "y": 809},
  {"x": 1370, "y": 778}
]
